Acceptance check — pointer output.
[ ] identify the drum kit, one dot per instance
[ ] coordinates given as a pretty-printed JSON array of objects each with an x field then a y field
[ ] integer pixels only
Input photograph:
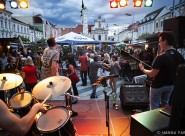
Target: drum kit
[{"x": 53, "y": 119}]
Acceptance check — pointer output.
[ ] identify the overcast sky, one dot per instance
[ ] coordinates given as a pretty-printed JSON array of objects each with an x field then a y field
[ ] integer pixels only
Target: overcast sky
[{"x": 67, "y": 12}]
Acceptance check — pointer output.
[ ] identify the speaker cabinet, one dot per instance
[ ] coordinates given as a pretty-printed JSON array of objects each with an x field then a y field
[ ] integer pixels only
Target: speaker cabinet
[
  {"x": 149, "y": 123},
  {"x": 176, "y": 25},
  {"x": 134, "y": 96}
]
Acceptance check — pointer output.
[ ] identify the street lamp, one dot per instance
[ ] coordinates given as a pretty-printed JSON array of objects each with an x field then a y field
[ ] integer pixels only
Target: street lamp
[{"x": 118, "y": 30}]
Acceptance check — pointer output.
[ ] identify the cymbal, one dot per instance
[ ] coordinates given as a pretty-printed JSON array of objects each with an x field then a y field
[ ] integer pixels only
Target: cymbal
[
  {"x": 104, "y": 78},
  {"x": 9, "y": 81},
  {"x": 55, "y": 85}
]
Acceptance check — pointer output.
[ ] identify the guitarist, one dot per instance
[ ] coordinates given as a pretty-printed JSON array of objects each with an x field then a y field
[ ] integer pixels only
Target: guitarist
[{"x": 163, "y": 71}]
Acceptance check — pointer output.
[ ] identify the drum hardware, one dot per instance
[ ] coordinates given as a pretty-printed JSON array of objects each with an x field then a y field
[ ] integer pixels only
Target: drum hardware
[{"x": 68, "y": 96}]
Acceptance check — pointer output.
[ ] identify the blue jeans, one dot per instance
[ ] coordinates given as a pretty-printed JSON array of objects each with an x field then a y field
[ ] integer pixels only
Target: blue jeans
[
  {"x": 93, "y": 94},
  {"x": 160, "y": 96}
]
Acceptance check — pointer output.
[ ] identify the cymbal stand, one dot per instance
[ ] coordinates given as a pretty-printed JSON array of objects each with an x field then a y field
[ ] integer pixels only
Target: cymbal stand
[
  {"x": 6, "y": 98},
  {"x": 104, "y": 84},
  {"x": 68, "y": 96},
  {"x": 5, "y": 92}
]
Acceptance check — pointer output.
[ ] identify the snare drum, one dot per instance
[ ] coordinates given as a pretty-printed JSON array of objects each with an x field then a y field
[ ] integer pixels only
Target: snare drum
[
  {"x": 53, "y": 121},
  {"x": 21, "y": 103}
]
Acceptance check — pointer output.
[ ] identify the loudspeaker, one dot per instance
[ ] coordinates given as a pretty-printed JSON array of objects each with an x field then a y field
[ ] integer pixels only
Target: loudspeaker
[
  {"x": 149, "y": 123},
  {"x": 134, "y": 96},
  {"x": 176, "y": 25}
]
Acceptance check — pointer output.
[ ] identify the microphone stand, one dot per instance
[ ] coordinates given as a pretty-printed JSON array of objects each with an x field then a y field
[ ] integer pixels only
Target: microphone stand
[{"x": 104, "y": 84}]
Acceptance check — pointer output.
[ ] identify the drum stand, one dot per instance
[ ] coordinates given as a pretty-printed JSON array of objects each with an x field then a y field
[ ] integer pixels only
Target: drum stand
[
  {"x": 6, "y": 98},
  {"x": 68, "y": 96}
]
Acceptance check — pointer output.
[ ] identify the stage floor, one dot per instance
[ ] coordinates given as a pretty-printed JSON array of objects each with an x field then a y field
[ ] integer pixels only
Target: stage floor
[{"x": 91, "y": 119}]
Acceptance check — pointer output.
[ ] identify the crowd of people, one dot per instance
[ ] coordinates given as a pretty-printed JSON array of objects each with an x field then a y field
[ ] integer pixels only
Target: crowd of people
[{"x": 48, "y": 62}]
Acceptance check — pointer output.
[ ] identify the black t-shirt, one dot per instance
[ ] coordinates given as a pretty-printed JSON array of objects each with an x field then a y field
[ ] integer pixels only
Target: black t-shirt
[{"x": 167, "y": 64}]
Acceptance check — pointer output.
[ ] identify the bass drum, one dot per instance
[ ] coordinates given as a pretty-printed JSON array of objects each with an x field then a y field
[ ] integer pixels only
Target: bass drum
[{"x": 55, "y": 122}]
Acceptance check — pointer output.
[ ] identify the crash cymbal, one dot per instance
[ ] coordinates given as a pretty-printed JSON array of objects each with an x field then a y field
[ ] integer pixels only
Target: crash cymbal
[
  {"x": 9, "y": 81},
  {"x": 55, "y": 86},
  {"x": 103, "y": 79}
]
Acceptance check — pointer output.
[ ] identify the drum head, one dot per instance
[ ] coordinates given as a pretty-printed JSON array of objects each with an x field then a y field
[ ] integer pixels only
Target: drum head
[
  {"x": 20, "y": 100},
  {"x": 53, "y": 119}
]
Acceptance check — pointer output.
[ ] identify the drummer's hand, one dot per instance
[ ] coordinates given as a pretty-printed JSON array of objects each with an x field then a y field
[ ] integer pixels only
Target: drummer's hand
[{"x": 38, "y": 106}]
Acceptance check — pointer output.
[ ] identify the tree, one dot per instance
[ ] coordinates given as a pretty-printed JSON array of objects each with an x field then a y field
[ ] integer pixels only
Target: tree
[
  {"x": 42, "y": 40},
  {"x": 144, "y": 35},
  {"x": 24, "y": 40}
]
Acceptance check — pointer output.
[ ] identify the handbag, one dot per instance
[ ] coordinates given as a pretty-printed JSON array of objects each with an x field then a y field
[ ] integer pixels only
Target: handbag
[{"x": 74, "y": 78}]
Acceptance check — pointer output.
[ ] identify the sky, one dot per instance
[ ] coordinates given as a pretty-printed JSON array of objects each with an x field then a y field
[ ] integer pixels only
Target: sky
[{"x": 66, "y": 13}]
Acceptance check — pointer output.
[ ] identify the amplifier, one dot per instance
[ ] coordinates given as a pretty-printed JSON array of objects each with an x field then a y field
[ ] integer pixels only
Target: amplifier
[{"x": 134, "y": 96}]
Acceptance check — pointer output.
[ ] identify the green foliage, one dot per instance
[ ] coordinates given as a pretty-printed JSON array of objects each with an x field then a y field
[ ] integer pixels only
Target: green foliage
[
  {"x": 120, "y": 47},
  {"x": 42, "y": 40},
  {"x": 144, "y": 35},
  {"x": 66, "y": 49},
  {"x": 24, "y": 40}
]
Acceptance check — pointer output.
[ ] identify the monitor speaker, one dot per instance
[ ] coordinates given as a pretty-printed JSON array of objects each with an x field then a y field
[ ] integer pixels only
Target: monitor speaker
[
  {"x": 134, "y": 96},
  {"x": 176, "y": 25}
]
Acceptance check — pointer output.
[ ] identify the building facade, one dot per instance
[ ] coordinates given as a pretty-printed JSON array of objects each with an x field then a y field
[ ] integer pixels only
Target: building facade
[{"x": 100, "y": 30}]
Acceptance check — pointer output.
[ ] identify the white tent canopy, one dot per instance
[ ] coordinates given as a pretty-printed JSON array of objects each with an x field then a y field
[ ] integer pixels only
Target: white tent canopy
[{"x": 74, "y": 38}]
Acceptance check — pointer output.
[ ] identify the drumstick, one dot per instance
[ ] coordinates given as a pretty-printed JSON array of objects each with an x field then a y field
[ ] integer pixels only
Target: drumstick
[
  {"x": 49, "y": 95},
  {"x": 72, "y": 95}
]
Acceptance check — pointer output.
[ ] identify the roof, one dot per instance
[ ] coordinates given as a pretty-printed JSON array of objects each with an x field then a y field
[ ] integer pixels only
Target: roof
[
  {"x": 18, "y": 21},
  {"x": 149, "y": 15},
  {"x": 78, "y": 29}
]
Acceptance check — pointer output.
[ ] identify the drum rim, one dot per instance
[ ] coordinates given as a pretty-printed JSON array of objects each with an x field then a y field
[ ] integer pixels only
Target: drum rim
[
  {"x": 23, "y": 106},
  {"x": 50, "y": 131}
]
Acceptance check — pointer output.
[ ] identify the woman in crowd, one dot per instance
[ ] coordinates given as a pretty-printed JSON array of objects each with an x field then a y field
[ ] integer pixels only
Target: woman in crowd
[
  {"x": 29, "y": 74},
  {"x": 114, "y": 70},
  {"x": 71, "y": 70}
]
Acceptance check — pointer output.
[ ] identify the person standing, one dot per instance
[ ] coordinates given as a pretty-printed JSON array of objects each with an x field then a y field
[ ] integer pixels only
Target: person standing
[
  {"x": 163, "y": 71},
  {"x": 71, "y": 70},
  {"x": 93, "y": 74},
  {"x": 83, "y": 60},
  {"x": 114, "y": 70},
  {"x": 50, "y": 60},
  {"x": 29, "y": 74},
  {"x": 3, "y": 62}
]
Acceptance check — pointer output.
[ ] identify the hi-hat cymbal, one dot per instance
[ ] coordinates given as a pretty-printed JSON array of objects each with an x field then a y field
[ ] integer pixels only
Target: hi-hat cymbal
[
  {"x": 9, "y": 81},
  {"x": 55, "y": 85}
]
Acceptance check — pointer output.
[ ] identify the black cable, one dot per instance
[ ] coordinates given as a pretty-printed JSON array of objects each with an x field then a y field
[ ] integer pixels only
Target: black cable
[{"x": 125, "y": 128}]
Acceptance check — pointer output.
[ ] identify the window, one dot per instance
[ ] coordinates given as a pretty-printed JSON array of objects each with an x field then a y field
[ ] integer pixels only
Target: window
[
  {"x": 161, "y": 23},
  {"x": 157, "y": 25},
  {"x": 99, "y": 24},
  {"x": 13, "y": 27},
  {"x": 99, "y": 37},
  {"x": 5, "y": 24},
  {"x": 17, "y": 28}
]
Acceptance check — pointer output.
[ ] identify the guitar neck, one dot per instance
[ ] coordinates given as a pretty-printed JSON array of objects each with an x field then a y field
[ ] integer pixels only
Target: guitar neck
[{"x": 136, "y": 59}]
